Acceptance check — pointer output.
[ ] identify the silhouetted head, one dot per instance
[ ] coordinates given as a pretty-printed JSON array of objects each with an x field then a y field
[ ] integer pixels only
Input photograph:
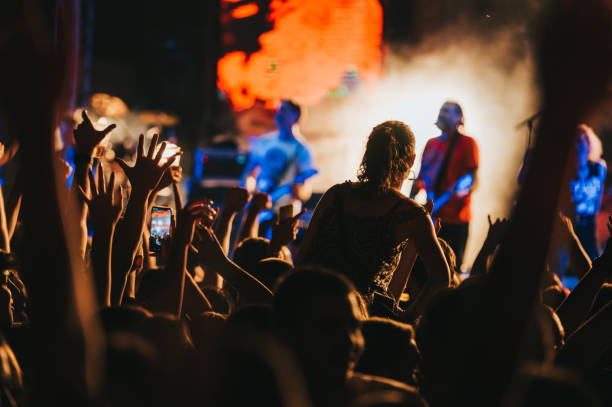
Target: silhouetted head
[
  {"x": 389, "y": 155},
  {"x": 390, "y": 350},
  {"x": 250, "y": 251},
  {"x": 270, "y": 270},
  {"x": 549, "y": 387},
  {"x": 318, "y": 315}
]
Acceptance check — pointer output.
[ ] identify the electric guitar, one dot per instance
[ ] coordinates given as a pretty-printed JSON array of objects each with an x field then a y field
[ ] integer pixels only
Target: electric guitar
[
  {"x": 284, "y": 190},
  {"x": 462, "y": 185}
]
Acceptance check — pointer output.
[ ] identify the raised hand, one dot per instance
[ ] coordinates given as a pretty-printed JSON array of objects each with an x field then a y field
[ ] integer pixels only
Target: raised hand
[
  {"x": 173, "y": 175},
  {"x": 284, "y": 232},
  {"x": 260, "y": 201},
  {"x": 497, "y": 231},
  {"x": 236, "y": 199},
  {"x": 146, "y": 172},
  {"x": 104, "y": 205},
  {"x": 195, "y": 212},
  {"x": 87, "y": 137},
  {"x": 565, "y": 225}
]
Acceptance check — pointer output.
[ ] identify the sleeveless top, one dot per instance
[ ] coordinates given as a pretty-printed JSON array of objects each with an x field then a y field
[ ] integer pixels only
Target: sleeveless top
[{"x": 363, "y": 248}]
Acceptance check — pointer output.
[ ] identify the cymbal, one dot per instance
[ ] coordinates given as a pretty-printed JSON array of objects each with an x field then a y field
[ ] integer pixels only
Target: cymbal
[
  {"x": 158, "y": 118},
  {"x": 105, "y": 105}
]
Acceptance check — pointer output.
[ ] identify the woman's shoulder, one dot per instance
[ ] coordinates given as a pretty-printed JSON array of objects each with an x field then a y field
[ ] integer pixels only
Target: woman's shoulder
[
  {"x": 330, "y": 195},
  {"x": 407, "y": 209}
]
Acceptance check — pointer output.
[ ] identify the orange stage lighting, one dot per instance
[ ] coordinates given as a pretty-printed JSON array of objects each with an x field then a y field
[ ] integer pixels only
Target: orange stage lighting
[
  {"x": 313, "y": 43},
  {"x": 245, "y": 11}
]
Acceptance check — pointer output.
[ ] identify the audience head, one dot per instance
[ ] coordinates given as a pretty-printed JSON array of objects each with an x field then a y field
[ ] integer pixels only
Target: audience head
[
  {"x": 318, "y": 315},
  {"x": 206, "y": 329},
  {"x": 389, "y": 155},
  {"x": 390, "y": 350},
  {"x": 548, "y": 387},
  {"x": 270, "y": 270},
  {"x": 251, "y": 251}
]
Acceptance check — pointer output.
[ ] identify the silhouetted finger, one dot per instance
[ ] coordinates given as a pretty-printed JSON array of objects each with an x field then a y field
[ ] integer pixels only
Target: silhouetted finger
[
  {"x": 152, "y": 146},
  {"x": 171, "y": 161},
  {"x": 101, "y": 181},
  {"x": 140, "y": 152},
  {"x": 429, "y": 205},
  {"x": 160, "y": 152},
  {"x": 92, "y": 184},
  {"x": 86, "y": 119},
  {"x": 178, "y": 201},
  {"x": 108, "y": 129},
  {"x": 111, "y": 183},
  {"x": 297, "y": 217}
]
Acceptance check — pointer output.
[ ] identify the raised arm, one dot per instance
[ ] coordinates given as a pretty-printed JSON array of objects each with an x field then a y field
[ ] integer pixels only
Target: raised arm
[
  {"x": 105, "y": 208},
  {"x": 577, "y": 305},
  {"x": 143, "y": 176},
  {"x": 579, "y": 260},
  {"x": 196, "y": 211},
  {"x": 284, "y": 233},
  {"x": 235, "y": 201},
  {"x": 211, "y": 256},
  {"x": 496, "y": 232},
  {"x": 422, "y": 232},
  {"x": 407, "y": 260},
  {"x": 250, "y": 223},
  {"x": 402, "y": 272},
  {"x": 86, "y": 138}
]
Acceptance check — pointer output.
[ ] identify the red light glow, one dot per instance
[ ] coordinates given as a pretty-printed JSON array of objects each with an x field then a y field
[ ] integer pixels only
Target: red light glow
[
  {"x": 313, "y": 43},
  {"x": 245, "y": 11}
]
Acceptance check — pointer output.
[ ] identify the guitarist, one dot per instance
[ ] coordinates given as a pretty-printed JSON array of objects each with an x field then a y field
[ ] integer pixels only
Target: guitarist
[
  {"x": 449, "y": 174},
  {"x": 280, "y": 163}
]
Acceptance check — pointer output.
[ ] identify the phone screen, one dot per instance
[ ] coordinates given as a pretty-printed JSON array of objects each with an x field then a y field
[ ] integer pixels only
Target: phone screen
[{"x": 161, "y": 219}]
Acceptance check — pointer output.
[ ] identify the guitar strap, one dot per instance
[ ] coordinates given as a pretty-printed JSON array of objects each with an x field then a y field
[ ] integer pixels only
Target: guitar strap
[
  {"x": 444, "y": 165},
  {"x": 289, "y": 163}
]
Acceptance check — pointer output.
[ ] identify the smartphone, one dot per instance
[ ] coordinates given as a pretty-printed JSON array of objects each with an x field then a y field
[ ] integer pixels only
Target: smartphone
[
  {"x": 285, "y": 212},
  {"x": 161, "y": 219}
]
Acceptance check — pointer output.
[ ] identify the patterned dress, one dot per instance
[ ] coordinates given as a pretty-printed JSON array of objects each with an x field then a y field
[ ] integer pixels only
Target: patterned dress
[{"x": 361, "y": 247}]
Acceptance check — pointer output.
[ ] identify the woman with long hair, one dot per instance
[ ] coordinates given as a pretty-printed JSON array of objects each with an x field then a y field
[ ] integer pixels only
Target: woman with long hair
[{"x": 360, "y": 229}]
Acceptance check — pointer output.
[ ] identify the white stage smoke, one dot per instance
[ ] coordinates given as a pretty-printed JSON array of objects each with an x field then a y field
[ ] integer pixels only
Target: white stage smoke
[{"x": 495, "y": 86}]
